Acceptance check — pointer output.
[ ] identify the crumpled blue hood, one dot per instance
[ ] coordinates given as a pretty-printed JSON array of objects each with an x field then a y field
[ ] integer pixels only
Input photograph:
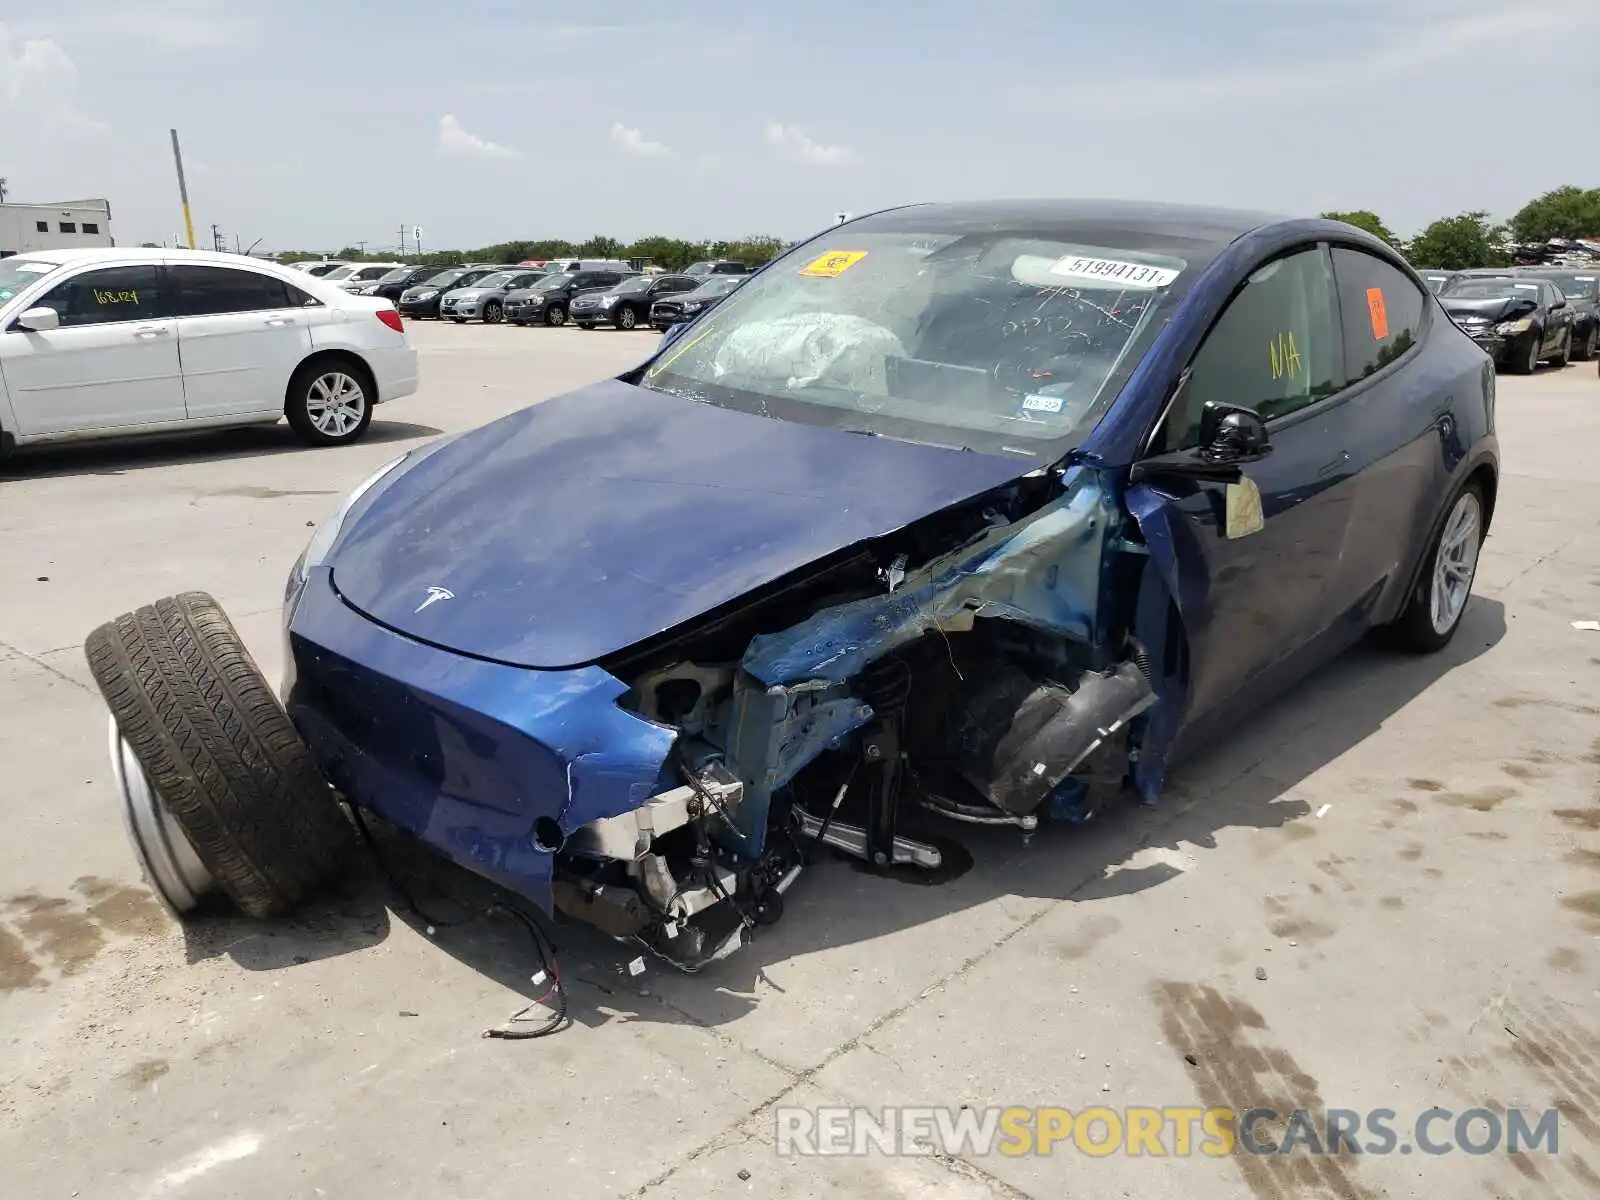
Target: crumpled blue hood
[{"x": 578, "y": 527}]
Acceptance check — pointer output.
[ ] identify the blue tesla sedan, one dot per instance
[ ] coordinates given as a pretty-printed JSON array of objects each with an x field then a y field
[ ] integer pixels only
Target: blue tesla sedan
[{"x": 950, "y": 514}]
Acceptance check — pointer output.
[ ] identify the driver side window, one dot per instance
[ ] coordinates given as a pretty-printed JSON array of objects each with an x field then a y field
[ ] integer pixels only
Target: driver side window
[{"x": 1275, "y": 348}]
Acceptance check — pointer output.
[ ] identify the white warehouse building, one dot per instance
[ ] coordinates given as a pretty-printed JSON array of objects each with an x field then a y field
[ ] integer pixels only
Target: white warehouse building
[{"x": 25, "y": 227}]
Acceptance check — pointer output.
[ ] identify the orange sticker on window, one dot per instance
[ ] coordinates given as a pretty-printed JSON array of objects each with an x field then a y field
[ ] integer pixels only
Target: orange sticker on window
[
  {"x": 833, "y": 264},
  {"x": 1379, "y": 315}
]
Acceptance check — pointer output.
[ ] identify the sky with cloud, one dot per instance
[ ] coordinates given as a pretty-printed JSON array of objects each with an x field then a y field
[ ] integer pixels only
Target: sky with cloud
[{"x": 316, "y": 124}]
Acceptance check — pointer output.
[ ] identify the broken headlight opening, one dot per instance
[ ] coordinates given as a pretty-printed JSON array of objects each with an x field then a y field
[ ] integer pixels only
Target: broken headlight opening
[{"x": 945, "y": 675}]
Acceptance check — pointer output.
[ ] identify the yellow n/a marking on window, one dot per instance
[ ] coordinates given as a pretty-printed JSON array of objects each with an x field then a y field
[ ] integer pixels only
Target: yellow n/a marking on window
[
  {"x": 833, "y": 264},
  {"x": 1284, "y": 355}
]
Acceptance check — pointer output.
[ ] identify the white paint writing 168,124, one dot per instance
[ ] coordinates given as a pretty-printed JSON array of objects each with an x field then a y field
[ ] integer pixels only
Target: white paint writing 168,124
[{"x": 115, "y": 297}]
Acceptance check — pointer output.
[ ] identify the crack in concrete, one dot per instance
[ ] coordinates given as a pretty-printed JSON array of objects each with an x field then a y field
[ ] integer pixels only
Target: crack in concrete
[{"x": 7, "y": 647}]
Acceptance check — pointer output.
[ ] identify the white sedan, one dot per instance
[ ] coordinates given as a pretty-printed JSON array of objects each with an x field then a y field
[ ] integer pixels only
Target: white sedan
[
  {"x": 105, "y": 343},
  {"x": 352, "y": 276}
]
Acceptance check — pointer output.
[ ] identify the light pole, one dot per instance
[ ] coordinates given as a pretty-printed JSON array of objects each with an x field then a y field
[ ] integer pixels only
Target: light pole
[{"x": 183, "y": 189}]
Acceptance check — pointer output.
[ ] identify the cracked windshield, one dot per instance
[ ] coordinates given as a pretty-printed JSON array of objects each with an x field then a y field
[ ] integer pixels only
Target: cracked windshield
[{"x": 975, "y": 339}]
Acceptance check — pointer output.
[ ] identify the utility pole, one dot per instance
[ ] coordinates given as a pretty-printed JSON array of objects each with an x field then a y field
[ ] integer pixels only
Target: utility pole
[
  {"x": 3, "y": 185},
  {"x": 402, "y": 241},
  {"x": 216, "y": 240},
  {"x": 183, "y": 189},
  {"x": 361, "y": 248}
]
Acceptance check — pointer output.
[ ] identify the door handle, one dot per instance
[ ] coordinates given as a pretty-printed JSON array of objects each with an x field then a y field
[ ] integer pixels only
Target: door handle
[
  {"x": 280, "y": 320},
  {"x": 147, "y": 334},
  {"x": 1335, "y": 465}
]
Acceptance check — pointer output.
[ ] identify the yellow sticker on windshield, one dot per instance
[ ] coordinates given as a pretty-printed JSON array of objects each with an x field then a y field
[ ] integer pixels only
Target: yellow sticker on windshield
[{"x": 833, "y": 264}]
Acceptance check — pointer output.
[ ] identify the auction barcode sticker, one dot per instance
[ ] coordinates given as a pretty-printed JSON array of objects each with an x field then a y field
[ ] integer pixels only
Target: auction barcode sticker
[{"x": 1114, "y": 271}]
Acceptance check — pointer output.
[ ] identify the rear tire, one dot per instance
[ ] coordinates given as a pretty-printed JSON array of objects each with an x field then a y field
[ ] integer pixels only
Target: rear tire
[
  {"x": 330, "y": 402},
  {"x": 1563, "y": 356},
  {"x": 1425, "y": 626},
  {"x": 1585, "y": 349},
  {"x": 219, "y": 751}
]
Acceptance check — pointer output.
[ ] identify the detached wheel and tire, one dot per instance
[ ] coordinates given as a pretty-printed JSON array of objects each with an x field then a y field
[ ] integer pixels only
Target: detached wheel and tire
[
  {"x": 215, "y": 783},
  {"x": 555, "y": 314},
  {"x": 1433, "y": 613},
  {"x": 330, "y": 403},
  {"x": 627, "y": 319}
]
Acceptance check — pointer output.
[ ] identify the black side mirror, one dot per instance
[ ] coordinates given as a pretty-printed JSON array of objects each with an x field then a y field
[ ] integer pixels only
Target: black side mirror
[{"x": 1231, "y": 435}]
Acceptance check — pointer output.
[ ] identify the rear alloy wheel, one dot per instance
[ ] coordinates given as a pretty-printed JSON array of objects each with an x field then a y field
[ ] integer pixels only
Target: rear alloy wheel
[
  {"x": 329, "y": 403},
  {"x": 492, "y": 313},
  {"x": 216, "y": 785},
  {"x": 555, "y": 314},
  {"x": 1564, "y": 355},
  {"x": 1591, "y": 342},
  {"x": 627, "y": 318},
  {"x": 1433, "y": 613}
]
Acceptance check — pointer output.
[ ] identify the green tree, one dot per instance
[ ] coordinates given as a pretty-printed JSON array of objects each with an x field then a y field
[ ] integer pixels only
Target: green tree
[
  {"x": 518, "y": 251},
  {"x": 1564, "y": 212},
  {"x": 600, "y": 247},
  {"x": 754, "y": 250},
  {"x": 674, "y": 254},
  {"x": 1363, "y": 218},
  {"x": 1459, "y": 243}
]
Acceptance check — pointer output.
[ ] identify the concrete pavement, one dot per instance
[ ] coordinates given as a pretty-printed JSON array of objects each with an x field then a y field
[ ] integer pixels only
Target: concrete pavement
[{"x": 1384, "y": 892}]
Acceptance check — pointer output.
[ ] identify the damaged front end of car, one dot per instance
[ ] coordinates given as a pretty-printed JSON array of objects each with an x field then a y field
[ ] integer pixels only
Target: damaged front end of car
[
  {"x": 993, "y": 663},
  {"x": 982, "y": 665}
]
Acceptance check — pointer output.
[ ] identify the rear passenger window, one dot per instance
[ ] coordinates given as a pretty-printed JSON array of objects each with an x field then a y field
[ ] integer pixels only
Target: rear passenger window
[
  {"x": 108, "y": 294},
  {"x": 1275, "y": 348},
  {"x": 212, "y": 291},
  {"x": 1382, "y": 311}
]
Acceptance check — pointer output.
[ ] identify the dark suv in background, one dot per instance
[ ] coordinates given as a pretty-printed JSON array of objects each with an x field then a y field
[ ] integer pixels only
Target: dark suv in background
[
  {"x": 393, "y": 285},
  {"x": 422, "y": 299},
  {"x": 1518, "y": 322},
  {"x": 718, "y": 266},
  {"x": 674, "y": 310},
  {"x": 549, "y": 299},
  {"x": 627, "y": 306},
  {"x": 1581, "y": 286}
]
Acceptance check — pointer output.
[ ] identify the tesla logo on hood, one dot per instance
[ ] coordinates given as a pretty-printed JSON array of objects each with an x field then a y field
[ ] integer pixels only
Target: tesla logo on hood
[{"x": 435, "y": 594}]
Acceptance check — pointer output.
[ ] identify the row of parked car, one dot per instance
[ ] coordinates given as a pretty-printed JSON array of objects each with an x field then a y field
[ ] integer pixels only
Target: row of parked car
[
  {"x": 1523, "y": 316},
  {"x": 586, "y": 292}
]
